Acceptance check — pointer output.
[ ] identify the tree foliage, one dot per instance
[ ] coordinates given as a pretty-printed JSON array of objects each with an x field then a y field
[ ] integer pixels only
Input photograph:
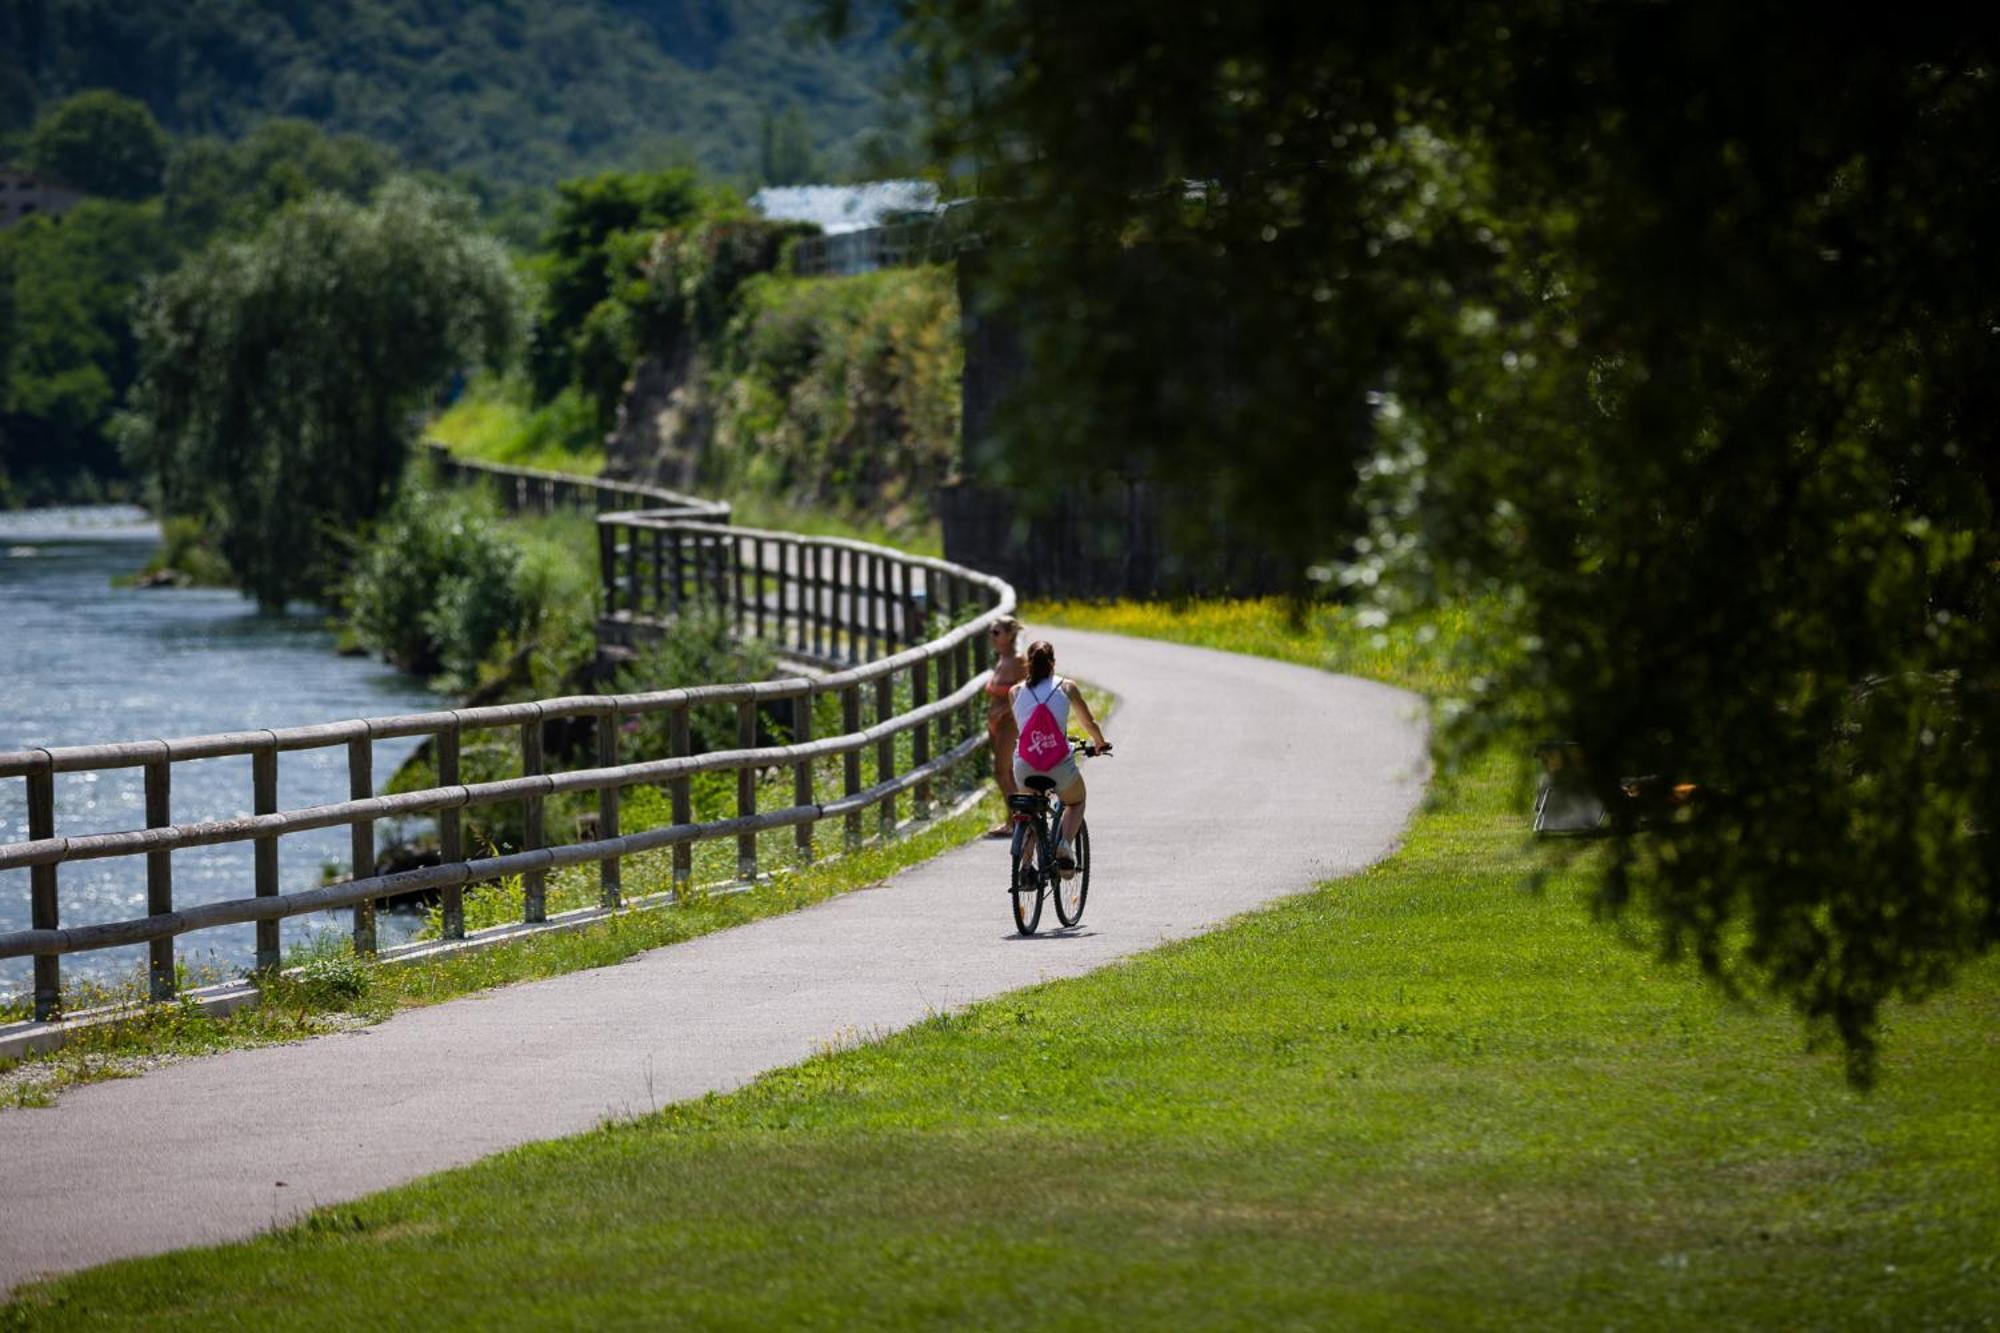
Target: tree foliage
[
  {"x": 76, "y": 279},
  {"x": 592, "y": 277},
  {"x": 1668, "y": 327},
  {"x": 519, "y": 94},
  {"x": 281, "y": 374},
  {"x": 212, "y": 185},
  {"x": 71, "y": 282},
  {"x": 101, "y": 143}
]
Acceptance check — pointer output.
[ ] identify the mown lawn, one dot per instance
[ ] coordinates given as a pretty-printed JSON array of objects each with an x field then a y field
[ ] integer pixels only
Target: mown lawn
[{"x": 1418, "y": 1096}]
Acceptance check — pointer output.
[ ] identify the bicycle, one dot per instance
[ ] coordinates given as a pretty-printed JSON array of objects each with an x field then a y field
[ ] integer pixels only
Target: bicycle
[{"x": 1034, "y": 874}]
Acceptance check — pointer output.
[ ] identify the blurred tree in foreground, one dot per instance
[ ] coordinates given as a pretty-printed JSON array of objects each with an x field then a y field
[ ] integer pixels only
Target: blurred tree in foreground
[
  {"x": 101, "y": 143},
  {"x": 1668, "y": 330},
  {"x": 281, "y": 375}
]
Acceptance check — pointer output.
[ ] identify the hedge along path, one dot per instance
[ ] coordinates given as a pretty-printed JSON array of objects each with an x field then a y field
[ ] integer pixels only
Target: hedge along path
[{"x": 1236, "y": 781}]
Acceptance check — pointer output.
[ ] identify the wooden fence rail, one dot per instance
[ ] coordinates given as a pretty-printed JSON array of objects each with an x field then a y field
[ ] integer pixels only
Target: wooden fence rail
[{"x": 883, "y": 617}]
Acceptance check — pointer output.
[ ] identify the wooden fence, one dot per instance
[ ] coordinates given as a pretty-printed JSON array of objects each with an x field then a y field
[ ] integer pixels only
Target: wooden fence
[
  {"x": 527, "y": 490},
  {"x": 895, "y": 617}
]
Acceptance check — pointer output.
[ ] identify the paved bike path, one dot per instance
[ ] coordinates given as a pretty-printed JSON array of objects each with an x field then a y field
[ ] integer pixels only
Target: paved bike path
[{"x": 1236, "y": 781}]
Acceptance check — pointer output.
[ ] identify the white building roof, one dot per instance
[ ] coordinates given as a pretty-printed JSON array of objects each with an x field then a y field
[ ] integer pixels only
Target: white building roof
[{"x": 841, "y": 208}]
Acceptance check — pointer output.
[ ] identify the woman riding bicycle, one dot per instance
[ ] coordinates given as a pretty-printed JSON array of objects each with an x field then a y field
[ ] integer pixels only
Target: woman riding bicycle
[
  {"x": 1009, "y": 670},
  {"x": 1043, "y": 749}
]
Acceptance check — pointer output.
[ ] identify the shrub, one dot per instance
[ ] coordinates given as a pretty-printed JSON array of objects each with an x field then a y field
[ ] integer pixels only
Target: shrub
[
  {"x": 437, "y": 586},
  {"x": 698, "y": 650}
]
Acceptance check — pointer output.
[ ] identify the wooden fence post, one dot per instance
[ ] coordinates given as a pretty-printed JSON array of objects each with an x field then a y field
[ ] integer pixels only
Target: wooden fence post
[
  {"x": 871, "y": 577},
  {"x": 630, "y": 548},
  {"x": 610, "y": 871},
  {"x": 885, "y": 749},
  {"x": 160, "y": 876},
  {"x": 264, "y": 801},
  {"x": 823, "y": 639},
  {"x": 679, "y": 745},
  {"x": 679, "y": 581},
  {"x": 920, "y": 738},
  {"x": 968, "y": 665},
  {"x": 659, "y": 572},
  {"x": 947, "y": 684},
  {"x": 42, "y": 900},
  {"x": 607, "y": 566},
  {"x": 850, "y": 722},
  {"x": 746, "y": 791},
  {"x": 757, "y": 544},
  {"x": 534, "y": 883},
  {"x": 451, "y": 849},
  {"x": 361, "y": 837},
  {"x": 906, "y": 614},
  {"x": 738, "y": 578},
  {"x": 802, "y": 774}
]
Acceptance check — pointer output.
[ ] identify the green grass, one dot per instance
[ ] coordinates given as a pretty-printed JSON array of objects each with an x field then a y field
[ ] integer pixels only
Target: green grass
[
  {"x": 1425, "y": 652},
  {"x": 333, "y": 991},
  {"x": 493, "y": 422},
  {"x": 1418, "y": 1096},
  {"x": 751, "y": 509}
]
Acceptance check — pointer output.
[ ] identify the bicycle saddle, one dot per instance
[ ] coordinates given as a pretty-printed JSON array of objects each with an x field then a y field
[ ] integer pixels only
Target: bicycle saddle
[{"x": 1039, "y": 783}]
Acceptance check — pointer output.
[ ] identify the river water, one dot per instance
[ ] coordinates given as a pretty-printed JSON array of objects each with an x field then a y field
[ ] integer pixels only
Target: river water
[{"x": 83, "y": 662}]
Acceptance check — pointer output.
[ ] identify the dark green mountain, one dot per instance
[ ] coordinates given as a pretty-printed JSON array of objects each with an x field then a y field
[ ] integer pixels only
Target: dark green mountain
[{"x": 520, "y": 92}]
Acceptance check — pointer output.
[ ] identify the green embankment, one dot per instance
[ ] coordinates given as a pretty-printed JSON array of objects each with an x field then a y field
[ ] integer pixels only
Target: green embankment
[
  {"x": 826, "y": 405},
  {"x": 1416, "y": 1096}
]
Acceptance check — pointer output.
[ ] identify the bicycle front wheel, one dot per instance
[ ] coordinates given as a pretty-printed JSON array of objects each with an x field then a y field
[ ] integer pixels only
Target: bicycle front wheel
[
  {"x": 1071, "y": 892},
  {"x": 1025, "y": 887}
]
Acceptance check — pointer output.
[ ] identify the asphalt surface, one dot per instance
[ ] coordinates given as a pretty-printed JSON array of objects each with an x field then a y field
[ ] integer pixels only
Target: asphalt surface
[{"x": 1236, "y": 781}]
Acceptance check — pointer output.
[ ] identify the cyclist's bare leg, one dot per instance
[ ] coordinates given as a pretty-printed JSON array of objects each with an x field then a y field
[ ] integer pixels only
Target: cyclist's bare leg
[{"x": 1072, "y": 816}]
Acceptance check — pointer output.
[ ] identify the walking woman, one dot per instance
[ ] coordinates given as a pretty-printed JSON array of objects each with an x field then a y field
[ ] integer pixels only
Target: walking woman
[
  {"x": 1010, "y": 668},
  {"x": 1043, "y": 749}
]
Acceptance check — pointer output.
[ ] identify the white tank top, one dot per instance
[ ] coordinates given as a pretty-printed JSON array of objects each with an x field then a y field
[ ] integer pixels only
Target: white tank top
[{"x": 1049, "y": 692}]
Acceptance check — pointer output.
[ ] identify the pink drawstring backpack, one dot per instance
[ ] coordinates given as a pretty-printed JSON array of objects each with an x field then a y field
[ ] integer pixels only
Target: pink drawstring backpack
[{"x": 1043, "y": 744}]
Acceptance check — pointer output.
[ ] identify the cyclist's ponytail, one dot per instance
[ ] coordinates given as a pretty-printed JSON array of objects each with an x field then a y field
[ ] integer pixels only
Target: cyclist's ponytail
[{"x": 1041, "y": 661}]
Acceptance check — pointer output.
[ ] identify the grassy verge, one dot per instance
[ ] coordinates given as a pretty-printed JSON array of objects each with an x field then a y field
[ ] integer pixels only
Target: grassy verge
[
  {"x": 751, "y": 509},
  {"x": 1417, "y": 1096},
  {"x": 494, "y": 422},
  {"x": 1425, "y": 652},
  {"x": 333, "y": 991}
]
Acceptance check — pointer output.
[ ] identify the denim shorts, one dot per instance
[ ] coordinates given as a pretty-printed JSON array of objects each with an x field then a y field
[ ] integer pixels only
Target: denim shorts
[{"x": 1064, "y": 774}]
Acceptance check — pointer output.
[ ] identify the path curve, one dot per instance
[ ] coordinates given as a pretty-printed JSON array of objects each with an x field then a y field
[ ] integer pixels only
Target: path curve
[{"x": 1317, "y": 773}]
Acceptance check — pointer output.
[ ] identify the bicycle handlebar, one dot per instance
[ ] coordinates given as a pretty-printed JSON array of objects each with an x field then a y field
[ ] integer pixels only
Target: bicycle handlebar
[{"x": 1088, "y": 750}]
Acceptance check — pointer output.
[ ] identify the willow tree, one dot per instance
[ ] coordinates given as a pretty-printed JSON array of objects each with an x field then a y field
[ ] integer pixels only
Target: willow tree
[
  {"x": 1675, "y": 325},
  {"x": 282, "y": 375}
]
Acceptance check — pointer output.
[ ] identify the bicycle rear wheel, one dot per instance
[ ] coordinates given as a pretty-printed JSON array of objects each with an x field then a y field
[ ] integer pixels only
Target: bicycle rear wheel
[
  {"x": 1071, "y": 892},
  {"x": 1025, "y": 887}
]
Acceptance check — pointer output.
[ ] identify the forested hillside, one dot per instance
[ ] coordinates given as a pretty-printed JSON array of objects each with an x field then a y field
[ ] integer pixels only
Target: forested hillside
[{"x": 518, "y": 92}]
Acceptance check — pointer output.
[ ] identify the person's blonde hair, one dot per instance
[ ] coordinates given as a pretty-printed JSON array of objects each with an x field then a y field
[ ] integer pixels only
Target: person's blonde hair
[{"x": 1010, "y": 625}]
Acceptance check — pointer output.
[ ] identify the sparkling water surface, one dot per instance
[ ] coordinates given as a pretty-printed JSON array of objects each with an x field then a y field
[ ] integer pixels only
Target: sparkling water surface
[{"x": 83, "y": 662}]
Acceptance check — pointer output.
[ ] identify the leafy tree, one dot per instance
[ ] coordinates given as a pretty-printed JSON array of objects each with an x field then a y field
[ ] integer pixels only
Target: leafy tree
[
  {"x": 72, "y": 283},
  {"x": 281, "y": 374},
  {"x": 604, "y": 226},
  {"x": 101, "y": 143},
  {"x": 1672, "y": 326},
  {"x": 212, "y": 185}
]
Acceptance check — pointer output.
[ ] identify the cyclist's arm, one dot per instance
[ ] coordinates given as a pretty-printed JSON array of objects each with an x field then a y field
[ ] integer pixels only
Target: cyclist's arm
[{"x": 1083, "y": 714}]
